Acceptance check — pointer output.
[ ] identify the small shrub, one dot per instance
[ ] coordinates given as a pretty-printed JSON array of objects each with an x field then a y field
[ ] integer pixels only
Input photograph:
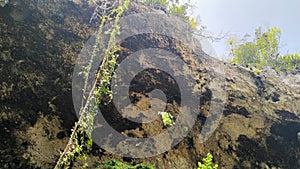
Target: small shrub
[
  {"x": 115, "y": 164},
  {"x": 207, "y": 163},
  {"x": 167, "y": 118}
]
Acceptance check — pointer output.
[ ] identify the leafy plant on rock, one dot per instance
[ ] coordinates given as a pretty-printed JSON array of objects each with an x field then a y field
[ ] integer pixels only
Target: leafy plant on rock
[
  {"x": 115, "y": 164},
  {"x": 167, "y": 118},
  {"x": 207, "y": 163}
]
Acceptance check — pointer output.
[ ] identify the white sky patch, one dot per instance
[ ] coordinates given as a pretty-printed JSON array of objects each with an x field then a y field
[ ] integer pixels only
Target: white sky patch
[{"x": 237, "y": 17}]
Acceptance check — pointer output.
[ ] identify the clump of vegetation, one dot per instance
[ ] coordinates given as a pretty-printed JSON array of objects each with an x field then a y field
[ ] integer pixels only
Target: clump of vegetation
[
  {"x": 167, "y": 118},
  {"x": 207, "y": 163},
  {"x": 157, "y": 3},
  {"x": 263, "y": 51},
  {"x": 288, "y": 62},
  {"x": 174, "y": 7},
  {"x": 115, "y": 164}
]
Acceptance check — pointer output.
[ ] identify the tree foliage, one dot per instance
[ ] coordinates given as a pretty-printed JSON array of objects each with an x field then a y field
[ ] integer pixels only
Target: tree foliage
[{"x": 262, "y": 51}]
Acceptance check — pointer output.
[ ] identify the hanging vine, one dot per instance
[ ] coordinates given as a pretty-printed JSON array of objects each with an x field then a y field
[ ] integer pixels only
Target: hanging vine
[{"x": 80, "y": 142}]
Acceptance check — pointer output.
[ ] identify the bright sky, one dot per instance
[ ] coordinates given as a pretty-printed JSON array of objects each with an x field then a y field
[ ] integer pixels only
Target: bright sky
[{"x": 239, "y": 17}]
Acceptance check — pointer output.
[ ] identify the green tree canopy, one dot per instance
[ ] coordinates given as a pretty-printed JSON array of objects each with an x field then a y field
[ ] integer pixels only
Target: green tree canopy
[{"x": 262, "y": 51}]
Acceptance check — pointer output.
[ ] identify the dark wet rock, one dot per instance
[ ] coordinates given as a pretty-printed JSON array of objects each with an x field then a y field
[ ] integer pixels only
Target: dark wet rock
[
  {"x": 61, "y": 135},
  {"x": 287, "y": 131},
  {"x": 275, "y": 97},
  {"x": 259, "y": 84},
  {"x": 286, "y": 115},
  {"x": 250, "y": 150},
  {"x": 35, "y": 70},
  {"x": 237, "y": 110}
]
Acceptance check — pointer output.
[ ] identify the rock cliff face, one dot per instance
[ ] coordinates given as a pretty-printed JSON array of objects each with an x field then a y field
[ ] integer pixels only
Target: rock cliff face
[{"x": 40, "y": 42}]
